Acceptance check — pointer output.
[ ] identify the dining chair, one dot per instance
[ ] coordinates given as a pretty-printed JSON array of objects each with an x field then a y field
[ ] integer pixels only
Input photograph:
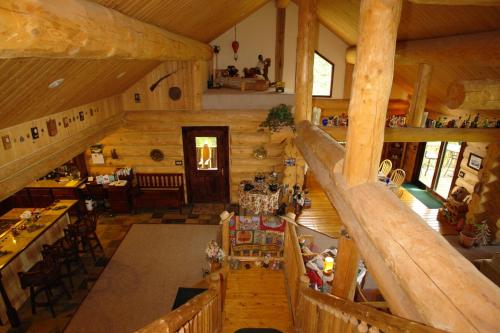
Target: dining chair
[
  {"x": 398, "y": 177},
  {"x": 385, "y": 167}
]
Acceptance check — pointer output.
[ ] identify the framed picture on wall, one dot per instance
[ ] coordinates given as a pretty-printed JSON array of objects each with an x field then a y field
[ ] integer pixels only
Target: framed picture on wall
[{"x": 475, "y": 162}]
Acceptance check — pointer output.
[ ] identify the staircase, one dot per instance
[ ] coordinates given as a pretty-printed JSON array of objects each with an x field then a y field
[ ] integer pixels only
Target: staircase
[{"x": 256, "y": 298}]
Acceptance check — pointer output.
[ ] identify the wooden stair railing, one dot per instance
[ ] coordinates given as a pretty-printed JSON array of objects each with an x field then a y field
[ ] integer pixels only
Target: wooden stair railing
[
  {"x": 202, "y": 314},
  {"x": 294, "y": 266},
  {"x": 420, "y": 274},
  {"x": 318, "y": 312}
]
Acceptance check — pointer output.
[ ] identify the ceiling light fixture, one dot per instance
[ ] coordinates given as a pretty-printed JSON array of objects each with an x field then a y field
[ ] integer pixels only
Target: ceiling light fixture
[{"x": 56, "y": 83}]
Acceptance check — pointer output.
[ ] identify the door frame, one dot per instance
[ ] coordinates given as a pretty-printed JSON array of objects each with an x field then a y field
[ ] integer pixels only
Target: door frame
[{"x": 225, "y": 130}]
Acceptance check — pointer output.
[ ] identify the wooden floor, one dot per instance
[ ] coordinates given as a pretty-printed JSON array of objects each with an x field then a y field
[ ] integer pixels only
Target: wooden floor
[
  {"x": 323, "y": 217},
  {"x": 256, "y": 297}
]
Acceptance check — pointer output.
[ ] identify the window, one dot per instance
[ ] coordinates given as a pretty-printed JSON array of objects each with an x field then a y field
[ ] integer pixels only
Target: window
[
  {"x": 322, "y": 76},
  {"x": 438, "y": 166},
  {"x": 206, "y": 152}
]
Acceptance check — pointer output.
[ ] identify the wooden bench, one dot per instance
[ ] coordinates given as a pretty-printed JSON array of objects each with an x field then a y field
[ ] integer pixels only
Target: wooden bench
[{"x": 158, "y": 190}]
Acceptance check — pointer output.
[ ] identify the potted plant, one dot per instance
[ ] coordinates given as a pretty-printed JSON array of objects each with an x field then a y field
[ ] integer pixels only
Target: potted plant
[
  {"x": 215, "y": 255},
  {"x": 279, "y": 117},
  {"x": 468, "y": 235}
]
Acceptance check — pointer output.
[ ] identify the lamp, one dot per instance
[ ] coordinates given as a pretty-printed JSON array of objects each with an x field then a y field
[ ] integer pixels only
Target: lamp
[{"x": 328, "y": 265}]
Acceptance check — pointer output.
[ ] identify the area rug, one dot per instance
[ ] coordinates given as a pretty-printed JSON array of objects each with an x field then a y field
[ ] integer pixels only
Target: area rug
[
  {"x": 423, "y": 196},
  {"x": 140, "y": 282}
]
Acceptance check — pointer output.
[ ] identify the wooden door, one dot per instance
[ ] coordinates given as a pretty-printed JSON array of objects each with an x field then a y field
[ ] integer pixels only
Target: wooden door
[{"x": 206, "y": 159}]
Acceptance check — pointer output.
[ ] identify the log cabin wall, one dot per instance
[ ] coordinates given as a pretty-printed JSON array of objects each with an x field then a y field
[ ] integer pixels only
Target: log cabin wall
[
  {"x": 485, "y": 203},
  {"x": 156, "y": 123},
  {"x": 24, "y": 158}
]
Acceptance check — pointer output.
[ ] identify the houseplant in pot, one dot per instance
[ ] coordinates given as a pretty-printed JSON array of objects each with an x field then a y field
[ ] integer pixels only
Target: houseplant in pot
[
  {"x": 468, "y": 235},
  {"x": 279, "y": 117}
]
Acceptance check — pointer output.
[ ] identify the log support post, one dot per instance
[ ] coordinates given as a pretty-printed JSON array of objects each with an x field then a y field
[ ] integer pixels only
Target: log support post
[
  {"x": 279, "y": 55},
  {"x": 419, "y": 97},
  {"x": 307, "y": 39},
  {"x": 372, "y": 84},
  {"x": 346, "y": 269}
]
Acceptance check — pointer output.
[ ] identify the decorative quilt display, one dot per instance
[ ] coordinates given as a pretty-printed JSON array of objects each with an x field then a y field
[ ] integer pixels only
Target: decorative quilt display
[
  {"x": 257, "y": 230},
  {"x": 259, "y": 199}
]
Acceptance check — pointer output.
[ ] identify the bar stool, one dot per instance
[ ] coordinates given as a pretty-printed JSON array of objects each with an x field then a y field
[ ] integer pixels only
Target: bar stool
[
  {"x": 41, "y": 278},
  {"x": 65, "y": 251},
  {"x": 85, "y": 231}
]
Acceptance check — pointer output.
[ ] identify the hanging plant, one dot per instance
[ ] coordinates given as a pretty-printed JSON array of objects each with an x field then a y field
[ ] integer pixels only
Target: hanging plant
[{"x": 278, "y": 117}]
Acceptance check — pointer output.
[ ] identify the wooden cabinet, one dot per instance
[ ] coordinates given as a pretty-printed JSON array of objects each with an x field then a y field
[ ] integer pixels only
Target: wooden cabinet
[
  {"x": 120, "y": 199},
  {"x": 395, "y": 152},
  {"x": 41, "y": 197}
]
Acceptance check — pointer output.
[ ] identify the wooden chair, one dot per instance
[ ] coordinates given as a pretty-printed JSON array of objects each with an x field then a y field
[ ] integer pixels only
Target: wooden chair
[
  {"x": 85, "y": 231},
  {"x": 97, "y": 193},
  {"x": 398, "y": 177},
  {"x": 43, "y": 276},
  {"x": 65, "y": 251},
  {"x": 385, "y": 167}
]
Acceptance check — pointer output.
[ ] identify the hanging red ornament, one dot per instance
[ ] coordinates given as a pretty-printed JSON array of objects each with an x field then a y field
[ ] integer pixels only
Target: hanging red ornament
[{"x": 235, "y": 45}]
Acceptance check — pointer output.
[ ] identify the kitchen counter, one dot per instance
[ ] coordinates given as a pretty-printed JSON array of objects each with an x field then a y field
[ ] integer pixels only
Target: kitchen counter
[{"x": 48, "y": 183}]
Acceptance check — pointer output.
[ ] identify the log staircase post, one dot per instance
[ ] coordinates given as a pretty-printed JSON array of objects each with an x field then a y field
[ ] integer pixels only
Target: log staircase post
[{"x": 346, "y": 269}]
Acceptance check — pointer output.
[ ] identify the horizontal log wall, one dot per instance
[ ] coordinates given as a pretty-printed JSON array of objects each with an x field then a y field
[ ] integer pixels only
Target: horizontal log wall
[
  {"x": 146, "y": 130},
  {"x": 28, "y": 158}
]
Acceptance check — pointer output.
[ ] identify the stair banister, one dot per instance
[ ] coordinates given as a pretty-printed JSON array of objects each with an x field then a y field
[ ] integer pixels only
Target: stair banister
[{"x": 416, "y": 269}]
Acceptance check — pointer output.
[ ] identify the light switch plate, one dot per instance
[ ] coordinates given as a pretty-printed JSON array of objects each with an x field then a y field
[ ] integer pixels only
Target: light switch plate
[{"x": 7, "y": 144}]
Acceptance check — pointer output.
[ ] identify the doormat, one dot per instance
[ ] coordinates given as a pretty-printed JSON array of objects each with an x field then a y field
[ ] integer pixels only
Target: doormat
[
  {"x": 185, "y": 294},
  {"x": 173, "y": 221},
  {"x": 423, "y": 196}
]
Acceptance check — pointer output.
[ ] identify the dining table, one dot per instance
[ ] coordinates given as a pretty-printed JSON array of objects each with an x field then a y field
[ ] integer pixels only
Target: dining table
[{"x": 21, "y": 243}]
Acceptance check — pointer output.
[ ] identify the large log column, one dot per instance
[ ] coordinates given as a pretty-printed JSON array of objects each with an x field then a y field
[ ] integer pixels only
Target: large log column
[
  {"x": 419, "y": 97},
  {"x": 372, "y": 84},
  {"x": 475, "y": 95},
  {"x": 307, "y": 38},
  {"x": 86, "y": 30}
]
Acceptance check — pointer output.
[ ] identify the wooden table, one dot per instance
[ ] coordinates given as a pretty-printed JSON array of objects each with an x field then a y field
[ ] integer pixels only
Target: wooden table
[{"x": 24, "y": 250}]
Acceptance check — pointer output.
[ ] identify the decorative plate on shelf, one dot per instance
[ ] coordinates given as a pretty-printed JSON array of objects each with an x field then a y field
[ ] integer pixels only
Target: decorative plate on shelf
[{"x": 157, "y": 155}]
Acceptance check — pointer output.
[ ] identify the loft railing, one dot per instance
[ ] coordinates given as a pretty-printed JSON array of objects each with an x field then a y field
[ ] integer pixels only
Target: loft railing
[
  {"x": 318, "y": 312},
  {"x": 202, "y": 314},
  {"x": 313, "y": 311},
  {"x": 419, "y": 273}
]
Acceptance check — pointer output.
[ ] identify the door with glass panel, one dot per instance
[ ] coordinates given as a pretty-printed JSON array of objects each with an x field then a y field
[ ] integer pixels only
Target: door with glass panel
[
  {"x": 437, "y": 169},
  {"x": 206, "y": 158}
]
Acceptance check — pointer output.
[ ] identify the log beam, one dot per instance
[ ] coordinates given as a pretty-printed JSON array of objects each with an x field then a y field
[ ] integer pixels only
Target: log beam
[
  {"x": 279, "y": 54},
  {"x": 86, "y": 30},
  {"x": 401, "y": 251},
  {"x": 371, "y": 89},
  {"x": 477, "y": 49},
  {"x": 307, "y": 39},
  {"x": 474, "y": 95},
  {"x": 414, "y": 134},
  {"x": 419, "y": 97}
]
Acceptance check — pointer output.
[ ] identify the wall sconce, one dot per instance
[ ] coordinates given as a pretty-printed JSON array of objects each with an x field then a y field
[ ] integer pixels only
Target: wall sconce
[{"x": 328, "y": 265}]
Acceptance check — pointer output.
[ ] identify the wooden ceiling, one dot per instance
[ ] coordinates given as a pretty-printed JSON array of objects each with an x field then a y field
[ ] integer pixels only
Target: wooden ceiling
[
  {"x": 23, "y": 82},
  {"x": 24, "y": 92},
  {"x": 199, "y": 19},
  {"x": 422, "y": 22}
]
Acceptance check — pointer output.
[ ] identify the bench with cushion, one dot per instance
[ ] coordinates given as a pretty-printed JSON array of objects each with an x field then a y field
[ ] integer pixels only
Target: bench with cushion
[{"x": 159, "y": 190}]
